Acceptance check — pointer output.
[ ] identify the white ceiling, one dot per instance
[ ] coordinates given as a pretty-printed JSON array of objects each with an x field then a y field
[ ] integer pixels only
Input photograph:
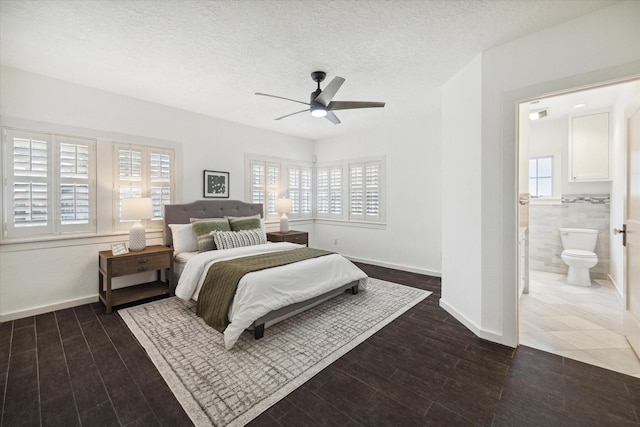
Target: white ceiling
[
  {"x": 583, "y": 101},
  {"x": 210, "y": 57}
]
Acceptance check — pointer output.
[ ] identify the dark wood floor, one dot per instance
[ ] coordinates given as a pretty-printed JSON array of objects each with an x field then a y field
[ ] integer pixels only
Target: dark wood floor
[{"x": 82, "y": 367}]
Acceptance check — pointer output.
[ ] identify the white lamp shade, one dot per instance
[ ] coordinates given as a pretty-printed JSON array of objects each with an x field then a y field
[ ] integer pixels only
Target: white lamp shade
[
  {"x": 284, "y": 205},
  {"x": 137, "y": 208}
]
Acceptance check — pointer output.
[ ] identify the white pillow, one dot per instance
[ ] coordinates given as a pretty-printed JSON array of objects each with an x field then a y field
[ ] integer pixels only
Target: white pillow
[{"x": 184, "y": 239}]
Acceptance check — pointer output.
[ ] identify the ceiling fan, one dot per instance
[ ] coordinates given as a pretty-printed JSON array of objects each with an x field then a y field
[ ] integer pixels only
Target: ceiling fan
[{"x": 322, "y": 104}]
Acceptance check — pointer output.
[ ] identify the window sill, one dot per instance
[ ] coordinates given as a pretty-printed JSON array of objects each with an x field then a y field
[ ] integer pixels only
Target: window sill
[
  {"x": 346, "y": 223},
  {"x": 60, "y": 241},
  {"x": 329, "y": 221}
]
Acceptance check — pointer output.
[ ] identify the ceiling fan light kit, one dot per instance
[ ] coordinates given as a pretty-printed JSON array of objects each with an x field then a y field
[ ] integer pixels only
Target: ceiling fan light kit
[
  {"x": 321, "y": 102},
  {"x": 318, "y": 111}
]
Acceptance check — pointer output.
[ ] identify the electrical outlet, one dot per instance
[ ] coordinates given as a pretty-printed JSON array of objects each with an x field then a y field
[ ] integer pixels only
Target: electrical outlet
[{"x": 335, "y": 241}]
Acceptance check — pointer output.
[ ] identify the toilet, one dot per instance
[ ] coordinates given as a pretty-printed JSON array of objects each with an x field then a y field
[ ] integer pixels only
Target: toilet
[{"x": 579, "y": 245}]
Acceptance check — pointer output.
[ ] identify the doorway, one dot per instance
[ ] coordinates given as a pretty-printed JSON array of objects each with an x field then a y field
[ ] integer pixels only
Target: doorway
[{"x": 582, "y": 323}]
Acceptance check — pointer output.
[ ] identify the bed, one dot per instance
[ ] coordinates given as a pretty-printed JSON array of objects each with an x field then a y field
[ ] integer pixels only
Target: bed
[{"x": 262, "y": 297}]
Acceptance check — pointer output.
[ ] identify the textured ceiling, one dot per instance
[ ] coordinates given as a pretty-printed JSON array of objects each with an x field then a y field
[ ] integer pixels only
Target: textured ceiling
[{"x": 210, "y": 57}]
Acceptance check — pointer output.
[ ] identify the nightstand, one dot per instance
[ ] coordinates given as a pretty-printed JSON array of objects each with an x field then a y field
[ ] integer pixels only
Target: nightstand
[
  {"x": 299, "y": 237},
  {"x": 150, "y": 258}
]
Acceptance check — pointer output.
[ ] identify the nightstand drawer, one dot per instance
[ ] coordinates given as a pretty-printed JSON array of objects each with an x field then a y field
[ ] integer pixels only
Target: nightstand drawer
[
  {"x": 139, "y": 264},
  {"x": 301, "y": 239},
  {"x": 293, "y": 236}
]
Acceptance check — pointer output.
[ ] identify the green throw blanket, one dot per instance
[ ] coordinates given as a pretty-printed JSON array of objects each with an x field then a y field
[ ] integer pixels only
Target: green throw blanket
[{"x": 221, "y": 282}]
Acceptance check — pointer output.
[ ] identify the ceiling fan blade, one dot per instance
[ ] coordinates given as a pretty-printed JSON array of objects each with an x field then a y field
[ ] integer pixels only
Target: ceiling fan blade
[
  {"x": 330, "y": 91},
  {"x": 348, "y": 105},
  {"x": 280, "y": 97},
  {"x": 332, "y": 118},
  {"x": 297, "y": 112}
]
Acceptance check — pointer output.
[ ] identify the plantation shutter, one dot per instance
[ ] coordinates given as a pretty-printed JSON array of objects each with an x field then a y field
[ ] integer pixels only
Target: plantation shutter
[
  {"x": 265, "y": 186},
  {"x": 129, "y": 179},
  {"x": 329, "y": 192},
  {"x": 29, "y": 204},
  {"x": 294, "y": 190},
  {"x": 258, "y": 187},
  {"x": 356, "y": 196},
  {"x": 49, "y": 184},
  {"x": 335, "y": 191},
  {"x": 143, "y": 171},
  {"x": 300, "y": 191},
  {"x": 273, "y": 188},
  {"x": 372, "y": 191},
  {"x": 306, "y": 192},
  {"x": 160, "y": 178},
  {"x": 76, "y": 198},
  {"x": 365, "y": 191},
  {"x": 322, "y": 191}
]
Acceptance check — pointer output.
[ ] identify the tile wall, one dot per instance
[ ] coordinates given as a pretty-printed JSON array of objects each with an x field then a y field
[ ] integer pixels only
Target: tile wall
[{"x": 576, "y": 211}]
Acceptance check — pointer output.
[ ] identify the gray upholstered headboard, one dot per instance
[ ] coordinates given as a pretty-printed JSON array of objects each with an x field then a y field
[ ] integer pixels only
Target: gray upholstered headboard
[{"x": 181, "y": 214}]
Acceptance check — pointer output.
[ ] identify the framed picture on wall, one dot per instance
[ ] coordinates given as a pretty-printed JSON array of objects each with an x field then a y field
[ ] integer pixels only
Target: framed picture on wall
[{"x": 216, "y": 184}]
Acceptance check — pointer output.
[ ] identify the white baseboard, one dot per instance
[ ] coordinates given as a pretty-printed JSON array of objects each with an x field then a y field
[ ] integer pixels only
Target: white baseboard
[
  {"x": 6, "y": 317},
  {"x": 395, "y": 266},
  {"x": 631, "y": 328},
  {"x": 621, "y": 300},
  {"x": 469, "y": 324}
]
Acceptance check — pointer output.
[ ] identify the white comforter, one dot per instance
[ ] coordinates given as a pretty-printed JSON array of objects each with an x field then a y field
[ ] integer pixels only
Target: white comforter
[{"x": 263, "y": 291}]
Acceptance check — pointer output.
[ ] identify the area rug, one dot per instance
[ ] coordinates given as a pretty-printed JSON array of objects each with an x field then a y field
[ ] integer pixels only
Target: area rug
[{"x": 223, "y": 387}]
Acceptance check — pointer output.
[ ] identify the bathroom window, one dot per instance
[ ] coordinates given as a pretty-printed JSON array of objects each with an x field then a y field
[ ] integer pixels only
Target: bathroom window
[{"x": 541, "y": 176}]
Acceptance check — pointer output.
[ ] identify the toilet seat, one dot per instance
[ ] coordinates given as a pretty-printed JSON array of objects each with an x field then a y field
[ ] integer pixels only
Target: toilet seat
[{"x": 578, "y": 253}]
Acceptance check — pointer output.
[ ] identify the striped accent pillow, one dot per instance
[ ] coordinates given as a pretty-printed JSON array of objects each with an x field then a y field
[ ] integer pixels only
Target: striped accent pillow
[{"x": 238, "y": 239}]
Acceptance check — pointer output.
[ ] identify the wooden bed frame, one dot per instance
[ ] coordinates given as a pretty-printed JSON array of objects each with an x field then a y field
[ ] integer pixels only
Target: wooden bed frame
[{"x": 182, "y": 214}]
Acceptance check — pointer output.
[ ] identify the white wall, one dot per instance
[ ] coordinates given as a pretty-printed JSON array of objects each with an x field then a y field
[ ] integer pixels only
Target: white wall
[
  {"x": 39, "y": 277},
  {"x": 411, "y": 238},
  {"x": 594, "y": 48},
  {"x": 461, "y": 196}
]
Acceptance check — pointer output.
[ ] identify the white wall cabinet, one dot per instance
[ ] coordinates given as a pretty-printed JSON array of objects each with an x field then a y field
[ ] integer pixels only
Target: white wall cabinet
[{"x": 589, "y": 148}]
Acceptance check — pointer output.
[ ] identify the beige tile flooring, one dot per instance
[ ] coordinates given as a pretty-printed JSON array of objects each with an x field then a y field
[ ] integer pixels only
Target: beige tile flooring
[{"x": 580, "y": 323}]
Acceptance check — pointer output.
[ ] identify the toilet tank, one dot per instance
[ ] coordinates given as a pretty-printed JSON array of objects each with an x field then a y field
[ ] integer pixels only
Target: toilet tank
[{"x": 579, "y": 238}]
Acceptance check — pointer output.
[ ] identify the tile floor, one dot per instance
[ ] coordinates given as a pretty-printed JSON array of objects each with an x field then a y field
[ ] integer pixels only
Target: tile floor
[{"x": 579, "y": 323}]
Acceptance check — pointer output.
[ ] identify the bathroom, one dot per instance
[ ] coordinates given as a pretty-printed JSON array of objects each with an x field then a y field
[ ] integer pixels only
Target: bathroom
[{"x": 582, "y": 320}]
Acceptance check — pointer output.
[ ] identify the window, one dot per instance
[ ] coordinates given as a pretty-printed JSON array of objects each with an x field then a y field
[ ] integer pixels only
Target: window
[
  {"x": 345, "y": 190},
  {"x": 300, "y": 191},
  {"x": 50, "y": 184},
  {"x": 540, "y": 176},
  {"x": 352, "y": 190},
  {"x": 143, "y": 171},
  {"x": 329, "y": 192},
  {"x": 269, "y": 178},
  {"x": 365, "y": 191},
  {"x": 264, "y": 186}
]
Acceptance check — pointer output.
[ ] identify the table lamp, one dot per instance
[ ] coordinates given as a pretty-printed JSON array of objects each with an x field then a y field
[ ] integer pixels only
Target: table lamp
[
  {"x": 284, "y": 206},
  {"x": 137, "y": 209}
]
